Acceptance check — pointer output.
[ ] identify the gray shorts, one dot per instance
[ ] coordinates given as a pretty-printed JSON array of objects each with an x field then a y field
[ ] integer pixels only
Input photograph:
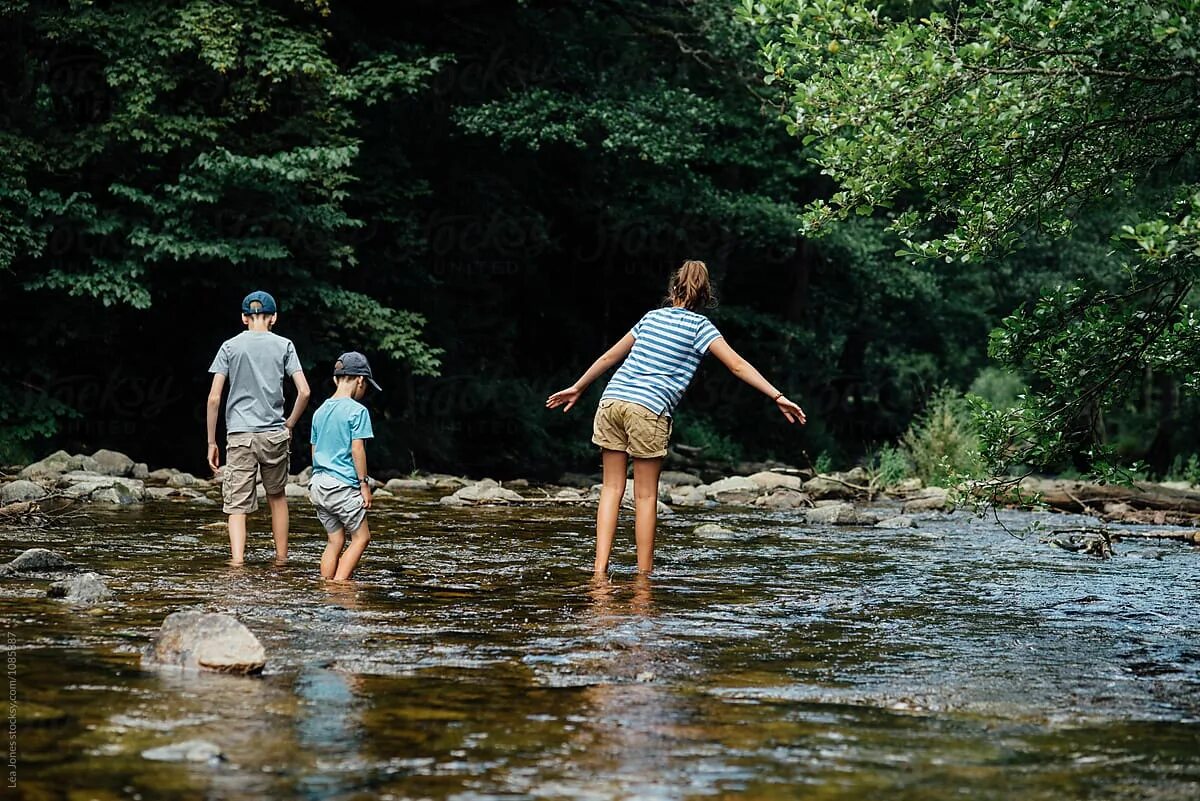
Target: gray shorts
[{"x": 339, "y": 506}]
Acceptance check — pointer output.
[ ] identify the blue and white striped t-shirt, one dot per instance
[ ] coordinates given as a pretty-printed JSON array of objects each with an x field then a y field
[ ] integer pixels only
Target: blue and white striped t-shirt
[{"x": 669, "y": 345}]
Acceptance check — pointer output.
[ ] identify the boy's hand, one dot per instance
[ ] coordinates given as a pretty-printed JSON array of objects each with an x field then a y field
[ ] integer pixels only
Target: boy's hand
[
  {"x": 366, "y": 495},
  {"x": 567, "y": 396},
  {"x": 790, "y": 410},
  {"x": 214, "y": 456}
]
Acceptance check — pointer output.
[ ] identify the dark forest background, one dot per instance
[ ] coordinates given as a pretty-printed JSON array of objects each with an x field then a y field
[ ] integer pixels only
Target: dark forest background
[{"x": 481, "y": 196}]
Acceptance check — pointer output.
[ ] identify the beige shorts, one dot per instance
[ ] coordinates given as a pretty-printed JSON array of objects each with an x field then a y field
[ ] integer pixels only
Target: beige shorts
[
  {"x": 626, "y": 426},
  {"x": 246, "y": 454}
]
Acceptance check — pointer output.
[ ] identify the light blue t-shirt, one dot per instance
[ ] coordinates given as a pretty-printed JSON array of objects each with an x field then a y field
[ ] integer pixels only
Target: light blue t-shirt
[
  {"x": 255, "y": 362},
  {"x": 669, "y": 344},
  {"x": 335, "y": 425}
]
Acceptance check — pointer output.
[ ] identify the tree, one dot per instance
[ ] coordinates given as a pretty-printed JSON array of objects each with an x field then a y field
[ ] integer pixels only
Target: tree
[
  {"x": 173, "y": 153},
  {"x": 980, "y": 128}
]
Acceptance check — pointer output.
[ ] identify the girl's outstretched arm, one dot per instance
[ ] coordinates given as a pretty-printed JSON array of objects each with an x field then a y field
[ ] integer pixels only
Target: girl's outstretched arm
[
  {"x": 612, "y": 356},
  {"x": 745, "y": 371}
]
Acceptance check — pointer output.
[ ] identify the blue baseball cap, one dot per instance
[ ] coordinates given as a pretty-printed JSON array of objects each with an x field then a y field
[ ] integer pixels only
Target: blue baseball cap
[
  {"x": 259, "y": 302},
  {"x": 354, "y": 363}
]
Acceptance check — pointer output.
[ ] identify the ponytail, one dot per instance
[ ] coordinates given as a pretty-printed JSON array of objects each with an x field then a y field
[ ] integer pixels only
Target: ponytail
[{"x": 690, "y": 287}]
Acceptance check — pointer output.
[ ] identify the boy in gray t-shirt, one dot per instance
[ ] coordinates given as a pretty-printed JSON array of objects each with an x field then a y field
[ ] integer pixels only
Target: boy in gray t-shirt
[{"x": 254, "y": 363}]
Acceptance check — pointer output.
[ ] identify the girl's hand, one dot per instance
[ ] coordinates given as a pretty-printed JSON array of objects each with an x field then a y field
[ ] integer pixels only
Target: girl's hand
[
  {"x": 790, "y": 410},
  {"x": 567, "y": 396}
]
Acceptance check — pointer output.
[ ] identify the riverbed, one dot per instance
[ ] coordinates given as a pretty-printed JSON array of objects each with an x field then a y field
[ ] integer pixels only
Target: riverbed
[{"x": 475, "y": 658}]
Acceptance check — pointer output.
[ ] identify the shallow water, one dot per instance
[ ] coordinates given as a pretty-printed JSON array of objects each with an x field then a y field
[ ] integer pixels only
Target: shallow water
[{"x": 474, "y": 659}]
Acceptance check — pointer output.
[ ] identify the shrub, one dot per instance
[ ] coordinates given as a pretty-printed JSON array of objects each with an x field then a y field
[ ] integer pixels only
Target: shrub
[{"x": 942, "y": 442}]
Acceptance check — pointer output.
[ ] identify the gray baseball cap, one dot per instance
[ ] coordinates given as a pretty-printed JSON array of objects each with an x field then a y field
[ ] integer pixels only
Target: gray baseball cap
[{"x": 354, "y": 363}]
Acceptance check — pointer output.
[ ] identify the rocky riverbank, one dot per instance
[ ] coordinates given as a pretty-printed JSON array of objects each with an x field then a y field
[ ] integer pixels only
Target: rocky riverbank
[{"x": 850, "y": 498}]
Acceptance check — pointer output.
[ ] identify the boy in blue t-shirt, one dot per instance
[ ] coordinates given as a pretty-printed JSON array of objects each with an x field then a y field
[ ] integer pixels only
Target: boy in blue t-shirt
[{"x": 340, "y": 488}]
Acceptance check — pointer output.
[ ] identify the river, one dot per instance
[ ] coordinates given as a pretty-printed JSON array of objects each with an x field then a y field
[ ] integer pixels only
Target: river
[{"x": 474, "y": 658}]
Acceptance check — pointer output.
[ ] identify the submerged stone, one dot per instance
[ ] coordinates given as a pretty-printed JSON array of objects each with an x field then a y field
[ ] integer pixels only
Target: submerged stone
[
  {"x": 211, "y": 641},
  {"x": 37, "y": 560}
]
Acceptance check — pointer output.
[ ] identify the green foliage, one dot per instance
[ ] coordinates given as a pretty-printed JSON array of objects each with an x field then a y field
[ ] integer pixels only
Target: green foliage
[
  {"x": 980, "y": 128},
  {"x": 889, "y": 466},
  {"x": 698, "y": 432},
  {"x": 1185, "y": 470},
  {"x": 942, "y": 443}
]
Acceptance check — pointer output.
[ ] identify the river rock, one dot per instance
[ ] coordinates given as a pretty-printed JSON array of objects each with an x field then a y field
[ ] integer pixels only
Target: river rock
[
  {"x": 21, "y": 490},
  {"x": 187, "y": 751},
  {"x": 179, "y": 480},
  {"x": 907, "y": 485},
  {"x": 295, "y": 491},
  {"x": 56, "y": 464},
  {"x": 829, "y": 486},
  {"x": 837, "y": 514},
  {"x": 690, "y": 496},
  {"x": 784, "y": 499},
  {"x": 929, "y": 499},
  {"x": 577, "y": 480},
  {"x": 37, "y": 560},
  {"x": 85, "y": 589},
  {"x": 569, "y": 494},
  {"x": 162, "y": 474},
  {"x": 487, "y": 491},
  {"x": 735, "y": 489},
  {"x": 675, "y": 478},
  {"x": 447, "y": 483},
  {"x": 140, "y": 471},
  {"x": 899, "y": 521},
  {"x": 769, "y": 480},
  {"x": 211, "y": 641},
  {"x": 103, "y": 489},
  {"x": 302, "y": 478},
  {"x": 402, "y": 485},
  {"x": 453, "y": 501},
  {"x": 112, "y": 463},
  {"x": 714, "y": 531}
]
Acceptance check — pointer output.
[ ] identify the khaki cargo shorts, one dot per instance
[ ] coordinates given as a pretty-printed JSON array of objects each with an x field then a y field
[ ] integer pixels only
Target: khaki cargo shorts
[
  {"x": 626, "y": 426},
  {"x": 248, "y": 453}
]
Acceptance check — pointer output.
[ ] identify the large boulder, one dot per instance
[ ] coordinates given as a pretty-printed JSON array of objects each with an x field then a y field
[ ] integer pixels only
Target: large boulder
[
  {"x": 112, "y": 463},
  {"x": 21, "y": 490},
  {"x": 769, "y": 480},
  {"x": 784, "y": 499},
  {"x": 140, "y": 471},
  {"x": 56, "y": 464},
  {"x": 675, "y": 478},
  {"x": 102, "y": 489},
  {"x": 85, "y": 589},
  {"x": 200, "y": 641},
  {"x": 35, "y": 561},
  {"x": 930, "y": 499},
  {"x": 736, "y": 489}
]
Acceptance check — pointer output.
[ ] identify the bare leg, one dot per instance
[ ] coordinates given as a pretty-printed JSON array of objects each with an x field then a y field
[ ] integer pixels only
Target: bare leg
[
  {"x": 349, "y": 560},
  {"x": 645, "y": 501},
  {"x": 610, "y": 504},
  {"x": 279, "y": 525},
  {"x": 237, "y": 538},
  {"x": 333, "y": 550}
]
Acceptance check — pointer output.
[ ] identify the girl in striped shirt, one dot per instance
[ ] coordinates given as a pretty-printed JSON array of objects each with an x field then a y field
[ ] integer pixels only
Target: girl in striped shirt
[{"x": 658, "y": 358}]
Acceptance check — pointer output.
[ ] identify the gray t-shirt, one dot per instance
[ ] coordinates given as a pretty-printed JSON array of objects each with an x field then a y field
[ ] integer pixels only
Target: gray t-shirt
[{"x": 255, "y": 362}]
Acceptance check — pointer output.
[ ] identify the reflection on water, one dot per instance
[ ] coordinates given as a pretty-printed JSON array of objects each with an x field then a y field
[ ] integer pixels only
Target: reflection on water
[{"x": 473, "y": 657}]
